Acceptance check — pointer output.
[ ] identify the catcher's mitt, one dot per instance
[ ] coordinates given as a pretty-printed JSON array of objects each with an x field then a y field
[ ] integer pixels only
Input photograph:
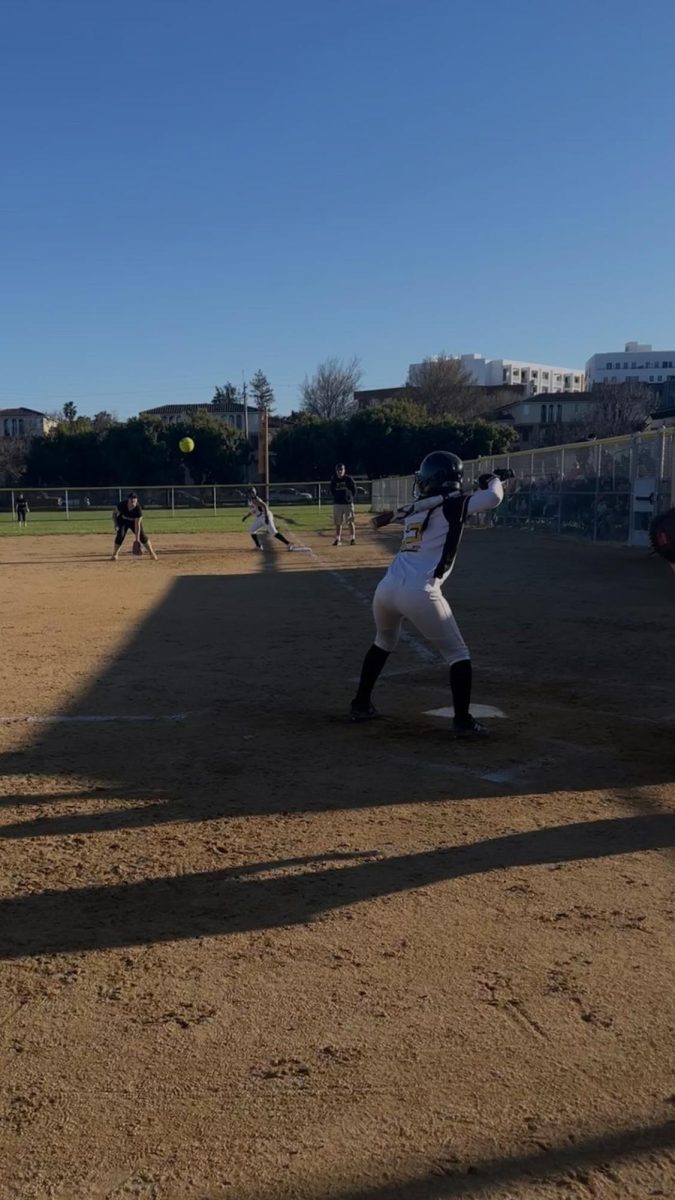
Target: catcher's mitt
[
  {"x": 662, "y": 535},
  {"x": 137, "y": 548}
]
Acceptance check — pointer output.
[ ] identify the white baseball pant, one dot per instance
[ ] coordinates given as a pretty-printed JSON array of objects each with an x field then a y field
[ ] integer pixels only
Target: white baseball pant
[{"x": 426, "y": 608}]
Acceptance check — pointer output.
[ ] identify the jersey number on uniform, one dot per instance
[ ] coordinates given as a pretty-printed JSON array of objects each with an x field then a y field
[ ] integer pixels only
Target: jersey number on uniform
[{"x": 412, "y": 535}]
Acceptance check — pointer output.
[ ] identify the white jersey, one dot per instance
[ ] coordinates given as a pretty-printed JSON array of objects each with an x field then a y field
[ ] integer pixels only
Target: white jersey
[
  {"x": 432, "y": 528},
  {"x": 263, "y": 521}
]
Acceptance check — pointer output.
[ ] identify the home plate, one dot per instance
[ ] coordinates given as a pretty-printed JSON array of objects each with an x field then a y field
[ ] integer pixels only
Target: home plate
[{"x": 477, "y": 710}]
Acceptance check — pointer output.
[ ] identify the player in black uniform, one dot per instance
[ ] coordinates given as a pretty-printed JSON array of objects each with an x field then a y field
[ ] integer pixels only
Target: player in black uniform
[
  {"x": 128, "y": 516},
  {"x": 22, "y": 510}
]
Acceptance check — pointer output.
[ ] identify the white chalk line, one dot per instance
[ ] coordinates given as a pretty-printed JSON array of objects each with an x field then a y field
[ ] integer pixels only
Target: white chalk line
[
  {"x": 417, "y": 647},
  {"x": 440, "y": 768},
  {"x": 91, "y": 719}
]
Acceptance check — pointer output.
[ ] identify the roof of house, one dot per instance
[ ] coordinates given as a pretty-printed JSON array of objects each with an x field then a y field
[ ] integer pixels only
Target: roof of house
[
  {"x": 544, "y": 398},
  {"x": 22, "y": 412},
  {"x": 170, "y": 410}
]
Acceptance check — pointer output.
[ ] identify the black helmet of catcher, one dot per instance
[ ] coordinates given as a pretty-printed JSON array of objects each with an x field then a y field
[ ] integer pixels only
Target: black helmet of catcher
[{"x": 439, "y": 472}]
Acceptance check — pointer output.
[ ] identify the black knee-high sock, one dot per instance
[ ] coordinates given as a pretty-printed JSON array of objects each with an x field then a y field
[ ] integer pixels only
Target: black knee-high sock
[
  {"x": 280, "y": 538},
  {"x": 372, "y": 665},
  {"x": 256, "y": 540},
  {"x": 460, "y": 683}
]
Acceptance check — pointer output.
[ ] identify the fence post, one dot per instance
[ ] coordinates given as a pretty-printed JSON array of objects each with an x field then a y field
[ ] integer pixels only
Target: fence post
[
  {"x": 598, "y": 459},
  {"x": 662, "y": 469},
  {"x": 67, "y": 506},
  {"x": 318, "y": 488},
  {"x": 215, "y": 507},
  {"x": 13, "y": 507}
]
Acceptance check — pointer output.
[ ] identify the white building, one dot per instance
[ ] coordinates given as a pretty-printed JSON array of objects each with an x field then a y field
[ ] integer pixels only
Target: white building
[
  {"x": 533, "y": 377},
  {"x": 635, "y": 364},
  {"x": 24, "y": 423},
  {"x": 232, "y": 414}
]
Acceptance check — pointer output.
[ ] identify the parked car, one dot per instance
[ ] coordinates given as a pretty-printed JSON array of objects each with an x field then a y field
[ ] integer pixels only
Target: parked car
[{"x": 289, "y": 495}]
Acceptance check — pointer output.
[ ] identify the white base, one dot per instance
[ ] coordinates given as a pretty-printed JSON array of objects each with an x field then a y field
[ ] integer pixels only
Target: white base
[{"x": 477, "y": 710}]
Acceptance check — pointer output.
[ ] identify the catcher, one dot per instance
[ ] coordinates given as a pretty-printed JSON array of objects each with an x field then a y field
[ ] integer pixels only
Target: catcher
[
  {"x": 432, "y": 528},
  {"x": 662, "y": 536}
]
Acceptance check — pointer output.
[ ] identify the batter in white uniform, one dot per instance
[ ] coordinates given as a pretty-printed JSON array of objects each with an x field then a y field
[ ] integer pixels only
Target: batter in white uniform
[{"x": 432, "y": 528}]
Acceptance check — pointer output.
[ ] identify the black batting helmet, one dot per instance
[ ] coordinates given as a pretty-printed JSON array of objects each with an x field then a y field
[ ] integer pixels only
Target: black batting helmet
[{"x": 439, "y": 472}]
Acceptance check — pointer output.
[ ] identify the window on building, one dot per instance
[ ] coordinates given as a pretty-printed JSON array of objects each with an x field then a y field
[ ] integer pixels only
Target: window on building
[
  {"x": 7, "y": 429},
  {"x": 651, "y": 378},
  {"x": 534, "y": 374},
  {"x": 608, "y": 366},
  {"x": 505, "y": 374},
  {"x": 617, "y": 366},
  {"x": 659, "y": 378},
  {"x": 576, "y": 379},
  {"x": 516, "y": 371},
  {"x": 542, "y": 419},
  {"x": 13, "y": 426},
  {"x": 239, "y": 420},
  {"x": 560, "y": 413},
  {"x": 550, "y": 413},
  {"x": 21, "y": 423},
  {"x": 544, "y": 374}
]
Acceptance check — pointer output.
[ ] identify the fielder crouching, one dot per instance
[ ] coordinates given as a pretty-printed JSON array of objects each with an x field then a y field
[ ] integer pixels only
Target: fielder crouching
[{"x": 432, "y": 529}]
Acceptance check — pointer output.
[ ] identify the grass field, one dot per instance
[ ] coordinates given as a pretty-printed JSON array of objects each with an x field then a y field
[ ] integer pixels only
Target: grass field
[
  {"x": 249, "y": 951},
  {"x": 159, "y": 521}
]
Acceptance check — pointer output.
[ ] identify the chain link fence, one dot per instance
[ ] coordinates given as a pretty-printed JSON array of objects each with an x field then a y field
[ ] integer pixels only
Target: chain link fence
[
  {"x": 606, "y": 490},
  {"x": 203, "y": 500}
]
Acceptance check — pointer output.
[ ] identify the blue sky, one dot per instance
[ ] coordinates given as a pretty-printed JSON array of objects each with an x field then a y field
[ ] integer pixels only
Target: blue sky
[{"x": 196, "y": 188}]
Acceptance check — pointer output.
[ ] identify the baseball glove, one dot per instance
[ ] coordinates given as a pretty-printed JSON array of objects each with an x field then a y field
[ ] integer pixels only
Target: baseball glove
[
  {"x": 662, "y": 535},
  {"x": 137, "y": 548}
]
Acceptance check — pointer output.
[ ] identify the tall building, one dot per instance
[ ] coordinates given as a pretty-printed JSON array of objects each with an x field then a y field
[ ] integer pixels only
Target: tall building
[
  {"x": 637, "y": 363},
  {"x": 533, "y": 377}
]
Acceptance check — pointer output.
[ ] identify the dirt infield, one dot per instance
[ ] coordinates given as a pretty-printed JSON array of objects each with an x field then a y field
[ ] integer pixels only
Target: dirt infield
[{"x": 249, "y": 951}]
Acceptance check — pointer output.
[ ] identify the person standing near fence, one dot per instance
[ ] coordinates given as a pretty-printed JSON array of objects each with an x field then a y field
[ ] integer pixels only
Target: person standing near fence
[
  {"x": 128, "y": 516},
  {"x": 343, "y": 490},
  {"x": 22, "y": 510}
]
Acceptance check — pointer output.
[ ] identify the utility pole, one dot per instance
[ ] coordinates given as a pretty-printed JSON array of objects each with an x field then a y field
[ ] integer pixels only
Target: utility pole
[
  {"x": 264, "y": 451},
  {"x": 245, "y": 403}
]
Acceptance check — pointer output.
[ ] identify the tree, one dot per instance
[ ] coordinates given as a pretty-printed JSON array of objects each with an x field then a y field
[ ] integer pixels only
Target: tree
[
  {"x": 226, "y": 395},
  {"x": 12, "y": 460},
  {"x": 444, "y": 387},
  {"x": 330, "y": 391},
  {"x": 69, "y": 411},
  {"x": 103, "y": 420},
  {"x": 619, "y": 408},
  {"x": 389, "y": 440},
  {"x": 262, "y": 391}
]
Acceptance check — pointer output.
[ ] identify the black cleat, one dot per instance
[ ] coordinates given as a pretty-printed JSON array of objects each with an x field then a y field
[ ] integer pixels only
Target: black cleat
[
  {"x": 358, "y": 713},
  {"x": 469, "y": 728}
]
